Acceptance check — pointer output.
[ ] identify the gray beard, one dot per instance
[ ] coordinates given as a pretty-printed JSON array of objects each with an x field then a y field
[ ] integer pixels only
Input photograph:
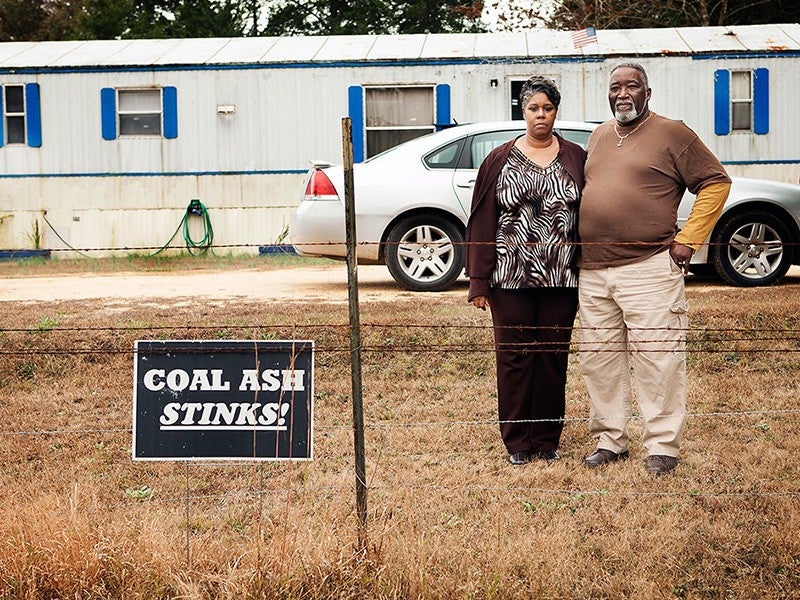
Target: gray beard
[{"x": 627, "y": 116}]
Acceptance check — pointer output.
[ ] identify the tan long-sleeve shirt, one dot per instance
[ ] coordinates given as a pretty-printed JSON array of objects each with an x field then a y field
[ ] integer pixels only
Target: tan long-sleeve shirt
[{"x": 706, "y": 210}]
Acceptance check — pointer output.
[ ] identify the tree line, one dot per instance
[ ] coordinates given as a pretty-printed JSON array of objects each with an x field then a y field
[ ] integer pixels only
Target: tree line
[
  {"x": 130, "y": 19},
  {"x": 36, "y": 20}
]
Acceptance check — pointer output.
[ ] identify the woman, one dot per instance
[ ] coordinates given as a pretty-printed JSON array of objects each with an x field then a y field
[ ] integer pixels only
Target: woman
[{"x": 522, "y": 235}]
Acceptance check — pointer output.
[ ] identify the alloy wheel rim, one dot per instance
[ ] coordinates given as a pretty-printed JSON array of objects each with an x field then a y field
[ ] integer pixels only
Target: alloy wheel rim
[
  {"x": 425, "y": 253},
  {"x": 755, "y": 250}
]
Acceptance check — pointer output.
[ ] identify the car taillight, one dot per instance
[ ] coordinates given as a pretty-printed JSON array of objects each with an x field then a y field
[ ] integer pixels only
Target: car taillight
[{"x": 320, "y": 186}]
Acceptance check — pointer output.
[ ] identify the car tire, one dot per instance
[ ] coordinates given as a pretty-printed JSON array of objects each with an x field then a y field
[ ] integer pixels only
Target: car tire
[
  {"x": 425, "y": 253},
  {"x": 751, "y": 249}
]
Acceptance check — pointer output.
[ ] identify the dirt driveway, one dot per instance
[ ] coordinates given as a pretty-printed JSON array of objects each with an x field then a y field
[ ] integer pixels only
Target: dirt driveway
[{"x": 326, "y": 284}]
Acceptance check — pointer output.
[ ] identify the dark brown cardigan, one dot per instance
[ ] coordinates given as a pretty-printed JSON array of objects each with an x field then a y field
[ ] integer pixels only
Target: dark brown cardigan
[{"x": 482, "y": 224}]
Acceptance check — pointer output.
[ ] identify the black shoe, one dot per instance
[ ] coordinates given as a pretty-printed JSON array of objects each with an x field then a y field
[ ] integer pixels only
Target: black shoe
[
  {"x": 601, "y": 457},
  {"x": 659, "y": 464},
  {"x": 548, "y": 455},
  {"x": 519, "y": 458}
]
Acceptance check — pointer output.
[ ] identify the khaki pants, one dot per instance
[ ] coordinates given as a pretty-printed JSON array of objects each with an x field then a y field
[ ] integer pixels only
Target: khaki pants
[{"x": 634, "y": 317}]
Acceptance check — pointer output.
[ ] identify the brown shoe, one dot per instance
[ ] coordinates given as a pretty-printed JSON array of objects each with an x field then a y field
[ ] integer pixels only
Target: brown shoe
[
  {"x": 602, "y": 456},
  {"x": 658, "y": 464}
]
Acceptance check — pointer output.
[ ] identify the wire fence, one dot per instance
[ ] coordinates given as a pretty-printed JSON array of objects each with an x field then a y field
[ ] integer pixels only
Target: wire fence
[
  {"x": 700, "y": 340},
  {"x": 323, "y": 245},
  {"x": 114, "y": 343},
  {"x": 401, "y": 473},
  {"x": 377, "y": 425}
]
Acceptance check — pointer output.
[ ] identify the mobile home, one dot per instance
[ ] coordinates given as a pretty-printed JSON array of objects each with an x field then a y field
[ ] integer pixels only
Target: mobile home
[{"x": 104, "y": 143}]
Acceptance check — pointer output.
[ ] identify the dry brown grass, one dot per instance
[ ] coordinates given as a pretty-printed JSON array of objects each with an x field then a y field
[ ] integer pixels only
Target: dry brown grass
[{"x": 448, "y": 517}]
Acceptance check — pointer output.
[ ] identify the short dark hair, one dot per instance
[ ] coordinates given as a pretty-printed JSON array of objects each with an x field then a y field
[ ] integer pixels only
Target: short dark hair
[
  {"x": 537, "y": 84},
  {"x": 631, "y": 65}
]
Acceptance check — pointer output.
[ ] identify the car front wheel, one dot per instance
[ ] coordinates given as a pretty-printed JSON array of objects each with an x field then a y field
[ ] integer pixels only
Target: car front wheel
[
  {"x": 425, "y": 253},
  {"x": 750, "y": 249}
]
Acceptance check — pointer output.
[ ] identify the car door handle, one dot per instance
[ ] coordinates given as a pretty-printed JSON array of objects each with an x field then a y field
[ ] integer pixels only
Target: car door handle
[{"x": 467, "y": 184}]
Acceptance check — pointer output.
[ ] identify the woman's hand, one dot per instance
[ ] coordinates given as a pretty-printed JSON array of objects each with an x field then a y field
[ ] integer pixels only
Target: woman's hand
[{"x": 480, "y": 302}]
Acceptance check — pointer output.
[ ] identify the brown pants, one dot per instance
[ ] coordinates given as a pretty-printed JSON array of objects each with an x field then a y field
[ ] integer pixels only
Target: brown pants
[{"x": 532, "y": 332}]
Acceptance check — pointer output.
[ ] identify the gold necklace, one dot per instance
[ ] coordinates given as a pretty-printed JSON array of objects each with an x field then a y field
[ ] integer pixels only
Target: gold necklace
[{"x": 635, "y": 129}]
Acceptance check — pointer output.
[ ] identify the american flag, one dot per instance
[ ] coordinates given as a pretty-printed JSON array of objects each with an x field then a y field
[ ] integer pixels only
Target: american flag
[{"x": 584, "y": 37}]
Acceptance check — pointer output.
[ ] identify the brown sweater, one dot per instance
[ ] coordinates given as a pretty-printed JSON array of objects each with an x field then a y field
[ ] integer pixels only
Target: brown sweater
[
  {"x": 629, "y": 206},
  {"x": 482, "y": 224}
]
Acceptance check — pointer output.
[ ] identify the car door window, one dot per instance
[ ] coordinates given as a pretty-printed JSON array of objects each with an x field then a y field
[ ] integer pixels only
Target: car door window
[
  {"x": 484, "y": 143},
  {"x": 579, "y": 136},
  {"x": 445, "y": 157}
]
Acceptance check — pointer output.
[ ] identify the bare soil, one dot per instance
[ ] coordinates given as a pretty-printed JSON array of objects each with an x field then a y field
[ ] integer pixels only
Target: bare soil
[
  {"x": 303, "y": 284},
  {"x": 327, "y": 284}
]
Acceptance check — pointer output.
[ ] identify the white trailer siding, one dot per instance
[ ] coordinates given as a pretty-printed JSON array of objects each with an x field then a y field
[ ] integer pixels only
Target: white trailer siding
[{"x": 252, "y": 112}]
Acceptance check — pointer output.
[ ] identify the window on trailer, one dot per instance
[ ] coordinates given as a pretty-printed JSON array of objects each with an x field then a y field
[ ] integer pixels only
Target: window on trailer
[
  {"x": 741, "y": 101},
  {"x": 139, "y": 112},
  {"x": 14, "y": 105},
  {"x": 396, "y": 115}
]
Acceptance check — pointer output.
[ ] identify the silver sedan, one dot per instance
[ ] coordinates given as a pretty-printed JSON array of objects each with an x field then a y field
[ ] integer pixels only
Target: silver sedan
[{"x": 412, "y": 204}]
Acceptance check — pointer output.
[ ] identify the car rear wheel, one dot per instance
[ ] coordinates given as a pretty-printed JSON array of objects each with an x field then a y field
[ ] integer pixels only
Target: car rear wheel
[
  {"x": 425, "y": 253},
  {"x": 750, "y": 249}
]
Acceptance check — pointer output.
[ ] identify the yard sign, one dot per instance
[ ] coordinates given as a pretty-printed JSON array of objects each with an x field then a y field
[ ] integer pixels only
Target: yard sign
[{"x": 223, "y": 400}]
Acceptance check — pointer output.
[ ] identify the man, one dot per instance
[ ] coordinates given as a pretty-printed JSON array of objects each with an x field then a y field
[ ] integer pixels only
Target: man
[{"x": 631, "y": 293}]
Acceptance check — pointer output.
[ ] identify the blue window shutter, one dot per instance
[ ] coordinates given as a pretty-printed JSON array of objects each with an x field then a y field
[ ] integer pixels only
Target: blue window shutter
[
  {"x": 108, "y": 113},
  {"x": 33, "y": 115},
  {"x": 355, "y": 110},
  {"x": 722, "y": 102},
  {"x": 761, "y": 101},
  {"x": 2, "y": 118},
  {"x": 442, "y": 106},
  {"x": 169, "y": 97}
]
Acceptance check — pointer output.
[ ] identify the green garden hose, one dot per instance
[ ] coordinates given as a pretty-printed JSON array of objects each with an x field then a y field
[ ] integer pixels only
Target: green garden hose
[
  {"x": 195, "y": 247},
  {"x": 203, "y": 244}
]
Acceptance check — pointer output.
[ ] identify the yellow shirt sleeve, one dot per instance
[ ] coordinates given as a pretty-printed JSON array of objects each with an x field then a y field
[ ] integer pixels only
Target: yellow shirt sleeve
[{"x": 705, "y": 212}]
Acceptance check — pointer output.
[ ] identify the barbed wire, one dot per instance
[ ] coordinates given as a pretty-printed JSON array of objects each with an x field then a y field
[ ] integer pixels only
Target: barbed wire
[
  {"x": 463, "y": 423},
  {"x": 694, "y": 334},
  {"x": 464, "y": 243},
  {"x": 390, "y": 325},
  {"x": 383, "y": 485},
  {"x": 575, "y": 493},
  {"x": 549, "y": 243},
  {"x": 634, "y": 347},
  {"x": 735, "y": 335},
  {"x": 148, "y": 248}
]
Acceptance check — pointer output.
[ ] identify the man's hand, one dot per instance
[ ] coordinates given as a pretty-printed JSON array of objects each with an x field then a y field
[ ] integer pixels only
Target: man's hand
[{"x": 681, "y": 255}]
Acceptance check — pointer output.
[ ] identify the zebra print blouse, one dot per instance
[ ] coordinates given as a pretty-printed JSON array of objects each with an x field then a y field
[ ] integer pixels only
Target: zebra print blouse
[{"x": 538, "y": 218}]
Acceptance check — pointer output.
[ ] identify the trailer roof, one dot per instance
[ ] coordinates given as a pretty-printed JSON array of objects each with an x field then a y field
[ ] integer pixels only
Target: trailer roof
[{"x": 531, "y": 45}]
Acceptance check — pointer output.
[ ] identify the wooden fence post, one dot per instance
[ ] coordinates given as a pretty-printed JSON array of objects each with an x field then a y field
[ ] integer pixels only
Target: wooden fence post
[{"x": 355, "y": 331}]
